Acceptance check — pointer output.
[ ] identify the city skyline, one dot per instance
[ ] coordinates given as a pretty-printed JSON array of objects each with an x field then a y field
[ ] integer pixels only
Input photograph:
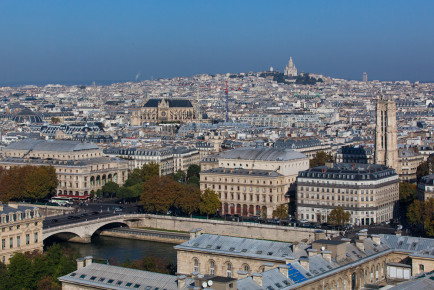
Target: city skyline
[{"x": 49, "y": 42}]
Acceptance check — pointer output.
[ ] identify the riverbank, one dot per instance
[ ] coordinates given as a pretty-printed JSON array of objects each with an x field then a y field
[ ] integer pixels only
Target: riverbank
[{"x": 159, "y": 235}]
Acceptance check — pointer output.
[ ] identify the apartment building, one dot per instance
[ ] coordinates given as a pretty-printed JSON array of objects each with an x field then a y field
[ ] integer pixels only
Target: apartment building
[
  {"x": 369, "y": 192},
  {"x": 253, "y": 181},
  {"x": 21, "y": 230}
]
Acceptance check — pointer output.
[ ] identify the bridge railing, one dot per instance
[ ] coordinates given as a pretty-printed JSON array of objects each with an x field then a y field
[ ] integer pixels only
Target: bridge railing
[{"x": 84, "y": 223}]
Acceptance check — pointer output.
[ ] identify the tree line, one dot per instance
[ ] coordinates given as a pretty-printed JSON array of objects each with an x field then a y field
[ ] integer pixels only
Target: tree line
[
  {"x": 37, "y": 270},
  {"x": 27, "y": 182},
  {"x": 177, "y": 193}
]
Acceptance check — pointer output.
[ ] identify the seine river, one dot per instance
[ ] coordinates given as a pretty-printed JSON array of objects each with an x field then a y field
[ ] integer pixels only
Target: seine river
[{"x": 118, "y": 249}]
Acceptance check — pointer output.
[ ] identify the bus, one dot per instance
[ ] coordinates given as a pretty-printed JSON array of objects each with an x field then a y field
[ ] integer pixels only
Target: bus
[{"x": 63, "y": 201}]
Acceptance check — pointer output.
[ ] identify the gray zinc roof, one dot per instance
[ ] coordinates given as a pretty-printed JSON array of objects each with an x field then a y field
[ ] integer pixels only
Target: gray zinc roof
[
  {"x": 54, "y": 145},
  {"x": 239, "y": 246},
  {"x": 99, "y": 275},
  {"x": 264, "y": 154}
]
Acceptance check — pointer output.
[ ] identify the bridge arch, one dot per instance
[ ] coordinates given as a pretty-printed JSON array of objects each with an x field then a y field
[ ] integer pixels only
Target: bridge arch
[{"x": 82, "y": 232}]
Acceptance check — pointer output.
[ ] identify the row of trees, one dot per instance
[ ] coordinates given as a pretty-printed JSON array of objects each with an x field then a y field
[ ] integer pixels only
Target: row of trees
[
  {"x": 162, "y": 194},
  {"x": 37, "y": 271},
  {"x": 27, "y": 182}
]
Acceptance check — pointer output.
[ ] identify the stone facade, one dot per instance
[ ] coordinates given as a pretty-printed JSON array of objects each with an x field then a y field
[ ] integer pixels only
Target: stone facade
[
  {"x": 164, "y": 110},
  {"x": 21, "y": 230},
  {"x": 425, "y": 188},
  {"x": 253, "y": 181},
  {"x": 80, "y": 167},
  {"x": 386, "y": 134},
  {"x": 369, "y": 192}
]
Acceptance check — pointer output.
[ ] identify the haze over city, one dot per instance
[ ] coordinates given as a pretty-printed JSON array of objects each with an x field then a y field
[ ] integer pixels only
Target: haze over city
[{"x": 85, "y": 41}]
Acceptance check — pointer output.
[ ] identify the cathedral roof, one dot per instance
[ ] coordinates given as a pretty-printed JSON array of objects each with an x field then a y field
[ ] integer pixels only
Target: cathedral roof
[{"x": 173, "y": 103}]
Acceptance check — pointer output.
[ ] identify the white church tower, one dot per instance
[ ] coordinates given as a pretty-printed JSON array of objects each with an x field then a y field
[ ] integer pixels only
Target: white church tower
[{"x": 290, "y": 69}]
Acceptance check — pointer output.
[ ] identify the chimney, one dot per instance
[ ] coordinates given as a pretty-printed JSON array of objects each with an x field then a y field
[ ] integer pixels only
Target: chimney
[
  {"x": 304, "y": 262},
  {"x": 194, "y": 233},
  {"x": 80, "y": 263},
  {"x": 376, "y": 239},
  {"x": 294, "y": 247},
  {"x": 257, "y": 278},
  {"x": 181, "y": 281},
  {"x": 347, "y": 241},
  {"x": 242, "y": 274},
  {"x": 327, "y": 255},
  {"x": 360, "y": 245},
  {"x": 312, "y": 252},
  {"x": 88, "y": 260},
  {"x": 289, "y": 260},
  {"x": 362, "y": 236},
  {"x": 268, "y": 266},
  {"x": 283, "y": 269}
]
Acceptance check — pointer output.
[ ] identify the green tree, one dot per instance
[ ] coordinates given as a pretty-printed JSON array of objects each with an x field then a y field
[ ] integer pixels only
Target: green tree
[
  {"x": 194, "y": 180},
  {"x": 407, "y": 192},
  {"x": 193, "y": 170},
  {"x": 179, "y": 176},
  {"x": 338, "y": 216},
  {"x": 145, "y": 173},
  {"x": 132, "y": 181},
  {"x": 188, "y": 199},
  {"x": 320, "y": 159},
  {"x": 124, "y": 192},
  {"x": 20, "y": 272},
  {"x": 110, "y": 188},
  {"x": 281, "y": 211},
  {"x": 421, "y": 214},
  {"x": 209, "y": 202}
]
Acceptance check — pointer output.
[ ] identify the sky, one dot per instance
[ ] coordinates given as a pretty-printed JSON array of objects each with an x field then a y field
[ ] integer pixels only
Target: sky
[{"x": 90, "y": 40}]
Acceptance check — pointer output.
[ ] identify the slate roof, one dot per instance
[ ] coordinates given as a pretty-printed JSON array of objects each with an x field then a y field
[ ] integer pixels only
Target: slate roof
[
  {"x": 54, "y": 145},
  {"x": 173, "y": 103},
  {"x": 99, "y": 275},
  {"x": 269, "y": 250},
  {"x": 409, "y": 244},
  {"x": 264, "y": 154},
  {"x": 240, "y": 171}
]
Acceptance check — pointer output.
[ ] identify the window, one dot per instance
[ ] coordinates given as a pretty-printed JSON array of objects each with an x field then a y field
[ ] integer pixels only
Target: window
[
  {"x": 11, "y": 242},
  {"x": 27, "y": 239},
  {"x": 229, "y": 270},
  {"x": 36, "y": 237},
  {"x": 18, "y": 241},
  {"x": 3, "y": 244},
  {"x": 211, "y": 267},
  {"x": 421, "y": 268},
  {"x": 196, "y": 265}
]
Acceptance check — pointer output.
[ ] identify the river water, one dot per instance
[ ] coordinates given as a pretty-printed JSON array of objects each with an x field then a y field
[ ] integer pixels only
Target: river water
[{"x": 119, "y": 249}]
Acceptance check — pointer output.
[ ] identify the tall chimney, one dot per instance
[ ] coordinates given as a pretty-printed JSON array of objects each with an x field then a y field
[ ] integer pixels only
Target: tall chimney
[
  {"x": 327, "y": 255},
  {"x": 80, "y": 263},
  {"x": 242, "y": 274},
  {"x": 304, "y": 262},
  {"x": 283, "y": 269}
]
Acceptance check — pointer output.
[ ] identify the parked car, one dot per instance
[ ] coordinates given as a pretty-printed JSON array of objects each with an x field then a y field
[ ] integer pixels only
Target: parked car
[{"x": 303, "y": 221}]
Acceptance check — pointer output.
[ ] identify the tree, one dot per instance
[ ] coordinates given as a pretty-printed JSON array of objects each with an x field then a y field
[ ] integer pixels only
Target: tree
[
  {"x": 111, "y": 188},
  {"x": 407, "y": 192},
  {"x": 425, "y": 168},
  {"x": 209, "y": 202},
  {"x": 188, "y": 199},
  {"x": 281, "y": 212},
  {"x": 32, "y": 182},
  {"x": 145, "y": 173},
  {"x": 55, "y": 120},
  {"x": 421, "y": 214},
  {"x": 159, "y": 194},
  {"x": 124, "y": 192},
  {"x": 40, "y": 182},
  {"x": 320, "y": 159},
  {"x": 20, "y": 271},
  {"x": 193, "y": 170},
  {"x": 179, "y": 176},
  {"x": 194, "y": 180},
  {"x": 338, "y": 216}
]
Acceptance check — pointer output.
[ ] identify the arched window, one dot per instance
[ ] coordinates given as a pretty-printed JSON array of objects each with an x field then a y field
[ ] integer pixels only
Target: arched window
[
  {"x": 211, "y": 267},
  {"x": 229, "y": 270},
  {"x": 421, "y": 268},
  {"x": 246, "y": 268},
  {"x": 195, "y": 265}
]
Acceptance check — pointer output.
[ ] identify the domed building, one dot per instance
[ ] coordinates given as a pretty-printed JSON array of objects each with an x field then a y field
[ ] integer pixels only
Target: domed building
[{"x": 27, "y": 116}]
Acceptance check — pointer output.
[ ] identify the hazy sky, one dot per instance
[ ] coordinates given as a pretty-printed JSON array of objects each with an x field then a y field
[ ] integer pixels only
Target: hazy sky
[{"x": 114, "y": 40}]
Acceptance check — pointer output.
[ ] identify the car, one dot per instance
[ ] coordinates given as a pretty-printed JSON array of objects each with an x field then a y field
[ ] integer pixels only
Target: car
[
  {"x": 120, "y": 209},
  {"x": 303, "y": 221}
]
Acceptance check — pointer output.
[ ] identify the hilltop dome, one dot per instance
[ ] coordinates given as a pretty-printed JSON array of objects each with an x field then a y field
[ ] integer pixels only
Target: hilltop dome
[{"x": 27, "y": 116}]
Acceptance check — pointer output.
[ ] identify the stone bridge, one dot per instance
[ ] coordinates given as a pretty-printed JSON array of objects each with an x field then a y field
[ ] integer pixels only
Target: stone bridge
[{"x": 83, "y": 231}]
